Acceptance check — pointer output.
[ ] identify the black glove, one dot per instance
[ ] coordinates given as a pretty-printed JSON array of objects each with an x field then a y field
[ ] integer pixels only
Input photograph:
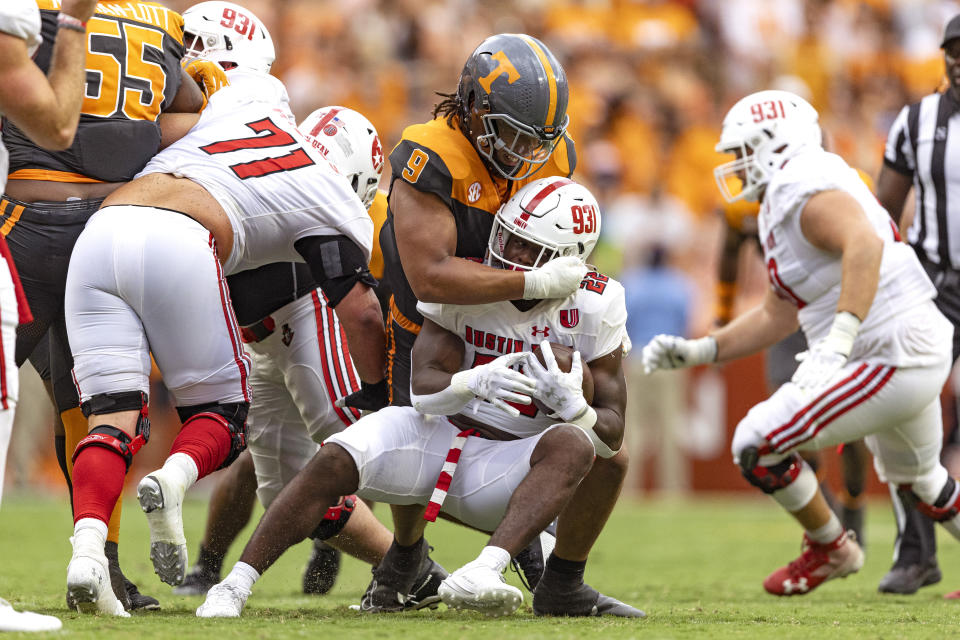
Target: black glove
[{"x": 371, "y": 397}]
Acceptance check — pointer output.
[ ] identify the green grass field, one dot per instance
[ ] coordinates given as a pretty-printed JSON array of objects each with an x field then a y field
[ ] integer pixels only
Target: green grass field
[{"x": 696, "y": 567}]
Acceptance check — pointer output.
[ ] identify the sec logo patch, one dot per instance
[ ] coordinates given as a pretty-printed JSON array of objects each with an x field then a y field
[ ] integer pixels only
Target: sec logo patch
[{"x": 473, "y": 193}]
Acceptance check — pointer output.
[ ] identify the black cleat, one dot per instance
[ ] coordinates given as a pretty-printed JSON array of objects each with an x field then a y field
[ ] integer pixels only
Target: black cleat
[
  {"x": 424, "y": 594},
  {"x": 406, "y": 579},
  {"x": 322, "y": 569},
  {"x": 127, "y": 593},
  {"x": 197, "y": 582},
  {"x": 529, "y": 563},
  {"x": 908, "y": 579},
  {"x": 559, "y": 596},
  {"x": 139, "y": 601}
]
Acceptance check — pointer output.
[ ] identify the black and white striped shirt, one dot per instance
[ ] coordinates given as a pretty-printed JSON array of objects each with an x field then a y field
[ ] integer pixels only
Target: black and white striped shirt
[{"x": 924, "y": 143}]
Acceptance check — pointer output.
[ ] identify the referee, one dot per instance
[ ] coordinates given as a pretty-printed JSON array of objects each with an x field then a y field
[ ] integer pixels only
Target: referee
[{"x": 923, "y": 152}]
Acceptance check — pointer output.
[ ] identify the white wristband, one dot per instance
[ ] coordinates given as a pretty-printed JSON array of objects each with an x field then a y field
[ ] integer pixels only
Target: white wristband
[
  {"x": 586, "y": 421},
  {"x": 448, "y": 401},
  {"x": 842, "y": 334},
  {"x": 702, "y": 351}
]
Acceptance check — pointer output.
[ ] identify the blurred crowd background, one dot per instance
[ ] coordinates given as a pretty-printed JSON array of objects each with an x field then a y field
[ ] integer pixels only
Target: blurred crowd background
[{"x": 650, "y": 81}]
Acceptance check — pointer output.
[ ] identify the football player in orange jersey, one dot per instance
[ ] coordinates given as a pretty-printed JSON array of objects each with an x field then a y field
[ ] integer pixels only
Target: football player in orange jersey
[{"x": 504, "y": 127}]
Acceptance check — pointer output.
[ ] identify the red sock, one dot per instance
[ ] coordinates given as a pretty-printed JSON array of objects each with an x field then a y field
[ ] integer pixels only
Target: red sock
[
  {"x": 206, "y": 440},
  {"x": 98, "y": 475}
]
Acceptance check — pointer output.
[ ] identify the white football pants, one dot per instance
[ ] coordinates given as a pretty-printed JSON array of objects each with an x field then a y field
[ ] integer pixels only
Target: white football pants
[
  {"x": 298, "y": 372},
  {"x": 895, "y": 410},
  {"x": 145, "y": 280},
  {"x": 400, "y": 452}
]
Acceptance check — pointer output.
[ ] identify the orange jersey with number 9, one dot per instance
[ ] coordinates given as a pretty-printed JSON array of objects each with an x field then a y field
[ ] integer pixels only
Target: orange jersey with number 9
[{"x": 133, "y": 74}]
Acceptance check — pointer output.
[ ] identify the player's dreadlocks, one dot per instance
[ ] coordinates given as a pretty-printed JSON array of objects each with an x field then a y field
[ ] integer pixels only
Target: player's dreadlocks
[{"x": 448, "y": 108}]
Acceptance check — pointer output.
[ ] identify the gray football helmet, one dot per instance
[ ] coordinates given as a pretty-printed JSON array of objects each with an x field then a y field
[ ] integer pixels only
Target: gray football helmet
[{"x": 521, "y": 90}]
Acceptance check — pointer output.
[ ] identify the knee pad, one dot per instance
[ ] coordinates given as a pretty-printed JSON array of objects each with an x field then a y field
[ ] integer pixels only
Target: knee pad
[
  {"x": 772, "y": 478},
  {"x": 115, "y": 439},
  {"x": 944, "y": 508},
  {"x": 111, "y": 437},
  {"x": 233, "y": 417},
  {"x": 335, "y": 519}
]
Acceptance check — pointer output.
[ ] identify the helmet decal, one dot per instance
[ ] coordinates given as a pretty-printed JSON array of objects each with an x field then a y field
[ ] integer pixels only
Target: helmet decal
[
  {"x": 349, "y": 143},
  {"x": 323, "y": 122},
  {"x": 376, "y": 152},
  {"x": 551, "y": 79},
  {"x": 504, "y": 66}
]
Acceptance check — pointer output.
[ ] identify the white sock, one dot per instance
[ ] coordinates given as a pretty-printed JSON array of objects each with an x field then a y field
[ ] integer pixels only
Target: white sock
[
  {"x": 183, "y": 466},
  {"x": 800, "y": 492},
  {"x": 89, "y": 534},
  {"x": 828, "y": 532},
  {"x": 242, "y": 575},
  {"x": 494, "y": 557}
]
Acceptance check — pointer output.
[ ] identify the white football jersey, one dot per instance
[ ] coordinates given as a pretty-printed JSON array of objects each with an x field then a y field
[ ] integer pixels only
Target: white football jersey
[
  {"x": 592, "y": 320},
  {"x": 20, "y": 18},
  {"x": 246, "y": 151},
  {"x": 811, "y": 278}
]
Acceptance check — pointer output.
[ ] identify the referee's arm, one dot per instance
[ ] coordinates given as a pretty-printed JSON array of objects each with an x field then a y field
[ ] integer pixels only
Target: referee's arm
[{"x": 893, "y": 187}]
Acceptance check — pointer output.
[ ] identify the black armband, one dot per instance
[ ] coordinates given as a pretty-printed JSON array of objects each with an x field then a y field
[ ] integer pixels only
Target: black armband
[{"x": 336, "y": 263}]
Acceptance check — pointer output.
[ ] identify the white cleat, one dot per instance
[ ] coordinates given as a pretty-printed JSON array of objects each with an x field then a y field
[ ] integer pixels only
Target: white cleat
[
  {"x": 162, "y": 500},
  {"x": 13, "y": 620},
  {"x": 88, "y": 584},
  {"x": 223, "y": 601},
  {"x": 478, "y": 587}
]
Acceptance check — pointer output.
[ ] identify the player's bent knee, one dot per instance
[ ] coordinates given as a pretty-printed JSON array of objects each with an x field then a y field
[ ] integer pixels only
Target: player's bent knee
[
  {"x": 337, "y": 463},
  {"x": 110, "y": 437},
  {"x": 615, "y": 467},
  {"x": 772, "y": 477},
  {"x": 567, "y": 445},
  {"x": 232, "y": 416}
]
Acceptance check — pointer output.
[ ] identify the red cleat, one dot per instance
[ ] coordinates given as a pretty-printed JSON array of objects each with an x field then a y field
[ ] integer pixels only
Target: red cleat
[
  {"x": 953, "y": 595},
  {"x": 817, "y": 564}
]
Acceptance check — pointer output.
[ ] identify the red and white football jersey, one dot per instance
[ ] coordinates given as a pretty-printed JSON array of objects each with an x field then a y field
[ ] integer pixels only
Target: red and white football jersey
[
  {"x": 592, "y": 320},
  {"x": 275, "y": 188},
  {"x": 20, "y": 18},
  {"x": 811, "y": 278}
]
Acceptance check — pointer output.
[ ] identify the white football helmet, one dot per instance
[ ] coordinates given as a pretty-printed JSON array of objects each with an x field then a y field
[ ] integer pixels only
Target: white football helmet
[
  {"x": 556, "y": 214},
  {"x": 229, "y": 34},
  {"x": 351, "y": 144},
  {"x": 765, "y": 129}
]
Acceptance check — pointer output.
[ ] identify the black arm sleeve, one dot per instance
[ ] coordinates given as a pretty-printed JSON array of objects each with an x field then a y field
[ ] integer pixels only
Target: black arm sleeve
[{"x": 336, "y": 263}]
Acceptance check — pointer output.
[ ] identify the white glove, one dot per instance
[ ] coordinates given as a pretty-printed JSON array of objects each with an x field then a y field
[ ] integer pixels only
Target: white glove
[
  {"x": 820, "y": 363},
  {"x": 557, "y": 279},
  {"x": 497, "y": 383},
  {"x": 562, "y": 392},
  {"x": 674, "y": 352},
  {"x": 817, "y": 367}
]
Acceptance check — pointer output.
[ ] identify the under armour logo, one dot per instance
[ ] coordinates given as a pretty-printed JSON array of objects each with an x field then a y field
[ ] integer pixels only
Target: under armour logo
[
  {"x": 800, "y": 586},
  {"x": 545, "y": 332},
  {"x": 287, "y": 335}
]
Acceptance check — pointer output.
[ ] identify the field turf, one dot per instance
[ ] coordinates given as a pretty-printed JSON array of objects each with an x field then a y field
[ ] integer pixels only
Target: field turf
[{"x": 695, "y": 566}]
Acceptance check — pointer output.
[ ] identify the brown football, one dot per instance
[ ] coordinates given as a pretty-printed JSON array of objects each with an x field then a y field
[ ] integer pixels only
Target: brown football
[{"x": 564, "y": 356}]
